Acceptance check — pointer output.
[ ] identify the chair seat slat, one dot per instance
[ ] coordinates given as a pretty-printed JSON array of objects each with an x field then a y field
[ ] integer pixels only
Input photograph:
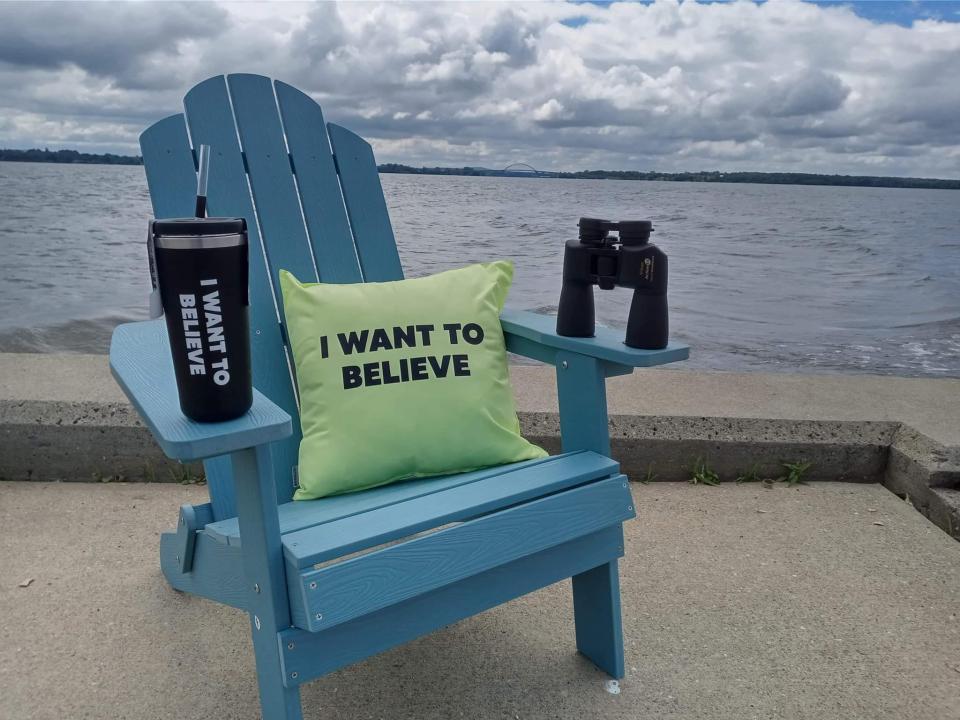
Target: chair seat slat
[
  {"x": 298, "y": 515},
  {"x": 360, "y": 532}
]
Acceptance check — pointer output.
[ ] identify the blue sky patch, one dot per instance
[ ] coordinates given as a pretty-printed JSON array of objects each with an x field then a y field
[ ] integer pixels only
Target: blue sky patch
[
  {"x": 898, "y": 12},
  {"x": 575, "y": 22}
]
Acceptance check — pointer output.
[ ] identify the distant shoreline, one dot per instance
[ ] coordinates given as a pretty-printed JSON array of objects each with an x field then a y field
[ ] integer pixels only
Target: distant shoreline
[
  {"x": 764, "y": 178},
  {"x": 68, "y": 157},
  {"x": 73, "y": 157}
]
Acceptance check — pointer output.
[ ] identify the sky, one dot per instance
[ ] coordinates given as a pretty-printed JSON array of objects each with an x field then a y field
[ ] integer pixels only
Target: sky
[{"x": 784, "y": 85}]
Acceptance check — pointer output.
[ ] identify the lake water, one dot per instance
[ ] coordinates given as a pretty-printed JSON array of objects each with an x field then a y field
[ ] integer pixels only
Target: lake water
[{"x": 763, "y": 277}]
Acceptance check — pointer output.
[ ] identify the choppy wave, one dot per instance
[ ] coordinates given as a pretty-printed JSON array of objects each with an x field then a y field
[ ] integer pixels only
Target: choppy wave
[{"x": 73, "y": 336}]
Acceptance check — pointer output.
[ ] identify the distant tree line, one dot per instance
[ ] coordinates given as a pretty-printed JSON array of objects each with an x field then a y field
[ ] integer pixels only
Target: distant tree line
[
  {"x": 68, "y": 156},
  {"x": 773, "y": 178}
]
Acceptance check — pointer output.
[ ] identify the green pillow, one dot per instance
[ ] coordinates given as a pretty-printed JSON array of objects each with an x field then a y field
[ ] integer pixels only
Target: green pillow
[{"x": 402, "y": 379}]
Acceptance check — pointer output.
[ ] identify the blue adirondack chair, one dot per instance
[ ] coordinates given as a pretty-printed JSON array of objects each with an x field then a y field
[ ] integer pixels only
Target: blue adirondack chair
[{"x": 329, "y": 582}]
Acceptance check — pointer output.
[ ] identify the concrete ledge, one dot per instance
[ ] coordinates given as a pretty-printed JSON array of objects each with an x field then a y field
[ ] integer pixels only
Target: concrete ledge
[
  {"x": 62, "y": 417},
  {"x": 666, "y": 448},
  {"x": 85, "y": 441},
  {"x": 928, "y": 475}
]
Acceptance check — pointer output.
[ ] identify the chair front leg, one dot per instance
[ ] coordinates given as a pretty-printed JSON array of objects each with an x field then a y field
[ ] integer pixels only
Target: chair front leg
[
  {"x": 596, "y": 609},
  {"x": 264, "y": 569},
  {"x": 581, "y": 389}
]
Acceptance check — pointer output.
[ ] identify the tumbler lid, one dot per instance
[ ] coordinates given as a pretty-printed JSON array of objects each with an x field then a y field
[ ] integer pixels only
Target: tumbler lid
[{"x": 199, "y": 226}]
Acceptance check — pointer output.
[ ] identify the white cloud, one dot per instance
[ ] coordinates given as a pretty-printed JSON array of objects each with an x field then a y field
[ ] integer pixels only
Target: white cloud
[
  {"x": 552, "y": 109},
  {"x": 786, "y": 85}
]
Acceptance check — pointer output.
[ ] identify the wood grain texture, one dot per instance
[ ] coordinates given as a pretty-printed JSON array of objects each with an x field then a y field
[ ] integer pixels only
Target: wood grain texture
[
  {"x": 346, "y": 590},
  {"x": 302, "y": 514},
  {"x": 607, "y": 345},
  {"x": 141, "y": 363},
  {"x": 330, "y": 540},
  {"x": 366, "y": 206},
  {"x": 170, "y": 167},
  {"x": 210, "y": 119},
  {"x": 319, "y": 188},
  {"x": 316, "y": 654},
  {"x": 217, "y": 572}
]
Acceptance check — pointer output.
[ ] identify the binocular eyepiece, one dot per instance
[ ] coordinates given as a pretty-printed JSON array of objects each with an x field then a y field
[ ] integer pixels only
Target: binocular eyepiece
[
  {"x": 594, "y": 231},
  {"x": 627, "y": 260}
]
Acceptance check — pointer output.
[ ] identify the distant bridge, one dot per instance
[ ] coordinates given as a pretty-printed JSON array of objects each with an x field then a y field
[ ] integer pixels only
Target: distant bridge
[
  {"x": 525, "y": 170},
  {"x": 517, "y": 169}
]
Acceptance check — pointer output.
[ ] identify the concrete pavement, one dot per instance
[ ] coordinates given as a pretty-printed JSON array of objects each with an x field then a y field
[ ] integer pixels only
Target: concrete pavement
[{"x": 832, "y": 600}]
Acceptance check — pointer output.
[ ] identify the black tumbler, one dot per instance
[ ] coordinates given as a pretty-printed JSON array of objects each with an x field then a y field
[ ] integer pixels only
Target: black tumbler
[{"x": 201, "y": 269}]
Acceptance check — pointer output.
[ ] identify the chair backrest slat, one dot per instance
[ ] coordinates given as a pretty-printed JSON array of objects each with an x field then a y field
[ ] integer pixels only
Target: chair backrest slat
[
  {"x": 366, "y": 206},
  {"x": 320, "y": 196},
  {"x": 171, "y": 168},
  {"x": 271, "y": 180},
  {"x": 210, "y": 120},
  {"x": 308, "y": 210}
]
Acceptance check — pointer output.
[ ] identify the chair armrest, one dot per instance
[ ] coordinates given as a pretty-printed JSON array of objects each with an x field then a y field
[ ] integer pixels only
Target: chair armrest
[
  {"x": 141, "y": 363},
  {"x": 535, "y": 336}
]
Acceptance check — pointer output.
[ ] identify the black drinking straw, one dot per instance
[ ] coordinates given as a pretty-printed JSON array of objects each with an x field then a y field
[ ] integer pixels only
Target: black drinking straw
[{"x": 202, "y": 181}]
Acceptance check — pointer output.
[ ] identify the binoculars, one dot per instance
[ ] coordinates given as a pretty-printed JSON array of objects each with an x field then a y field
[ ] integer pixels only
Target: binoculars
[{"x": 597, "y": 258}]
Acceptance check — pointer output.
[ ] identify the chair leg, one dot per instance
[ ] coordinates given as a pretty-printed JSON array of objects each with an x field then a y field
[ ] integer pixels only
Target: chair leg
[
  {"x": 596, "y": 609},
  {"x": 263, "y": 567},
  {"x": 276, "y": 701}
]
